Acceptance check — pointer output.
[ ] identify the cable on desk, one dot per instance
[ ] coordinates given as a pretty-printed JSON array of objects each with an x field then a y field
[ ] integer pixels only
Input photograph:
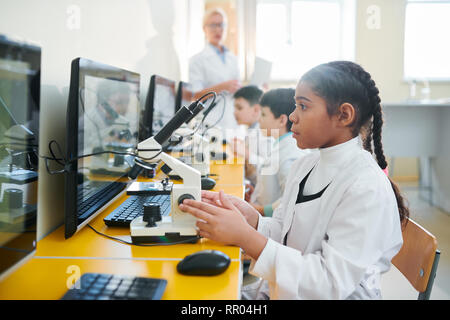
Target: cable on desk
[
  {"x": 66, "y": 162},
  {"x": 143, "y": 244}
]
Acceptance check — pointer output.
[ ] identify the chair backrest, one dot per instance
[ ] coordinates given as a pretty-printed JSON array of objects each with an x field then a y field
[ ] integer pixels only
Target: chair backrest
[{"x": 417, "y": 259}]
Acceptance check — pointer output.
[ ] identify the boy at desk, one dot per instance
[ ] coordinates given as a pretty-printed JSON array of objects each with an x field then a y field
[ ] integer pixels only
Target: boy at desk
[
  {"x": 276, "y": 105},
  {"x": 255, "y": 147}
]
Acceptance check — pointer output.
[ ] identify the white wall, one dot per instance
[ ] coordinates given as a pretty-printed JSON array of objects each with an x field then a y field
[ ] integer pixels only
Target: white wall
[
  {"x": 380, "y": 50},
  {"x": 145, "y": 36}
]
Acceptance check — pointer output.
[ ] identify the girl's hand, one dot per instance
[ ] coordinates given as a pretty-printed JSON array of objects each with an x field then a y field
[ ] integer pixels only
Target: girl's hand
[
  {"x": 225, "y": 224},
  {"x": 250, "y": 213}
]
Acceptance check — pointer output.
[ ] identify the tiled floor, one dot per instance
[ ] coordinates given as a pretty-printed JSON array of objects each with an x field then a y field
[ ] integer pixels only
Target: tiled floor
[{"x": 437, "y": 222}]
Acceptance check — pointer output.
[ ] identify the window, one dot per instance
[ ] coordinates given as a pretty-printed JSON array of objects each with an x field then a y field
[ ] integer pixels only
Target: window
[
  {"x": 297, "y": 35},
  {"x": 427, "y": 49}
]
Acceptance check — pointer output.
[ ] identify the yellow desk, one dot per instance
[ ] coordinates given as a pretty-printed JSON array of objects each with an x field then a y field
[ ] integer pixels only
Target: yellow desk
[
  {"x": 86, "y": 243},
  {"x": 229, "y": 172},
  {"x": 45, "y": 275},
  {"x": 43, "y": 279}
]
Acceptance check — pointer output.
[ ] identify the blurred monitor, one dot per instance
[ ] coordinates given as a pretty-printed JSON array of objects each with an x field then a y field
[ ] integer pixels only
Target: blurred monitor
[
  {"x": 159, "y": 106},
  {"x": 102, "y": 115},
  {"x": 185, "y": 95},
  {"x": 20, "y": 69}
]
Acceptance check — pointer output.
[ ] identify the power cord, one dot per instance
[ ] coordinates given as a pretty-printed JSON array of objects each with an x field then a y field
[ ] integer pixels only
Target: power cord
[
  {"x": 199, "y": 100},
  {"x": 220, "y": 118},
  {"x": 144, "y": 244},
  {"x": 61, "y": 160}
]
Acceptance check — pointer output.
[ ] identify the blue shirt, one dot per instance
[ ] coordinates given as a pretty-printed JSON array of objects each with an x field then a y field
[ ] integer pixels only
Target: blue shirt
[{"x": 219, "y": 52}]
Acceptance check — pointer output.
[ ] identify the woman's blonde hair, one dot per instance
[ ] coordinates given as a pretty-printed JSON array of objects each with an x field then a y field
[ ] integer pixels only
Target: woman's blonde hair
[{"x": 214, "y": 11}]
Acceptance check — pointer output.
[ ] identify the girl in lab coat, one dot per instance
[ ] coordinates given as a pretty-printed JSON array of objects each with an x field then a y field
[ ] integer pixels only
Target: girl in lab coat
[{"x": 339, "y": 223}]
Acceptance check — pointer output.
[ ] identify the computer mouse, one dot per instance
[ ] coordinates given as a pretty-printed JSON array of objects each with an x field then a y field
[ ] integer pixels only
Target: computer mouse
[
  {"x": 208, "y": 183},
  {"x": 204, "y": 263}
]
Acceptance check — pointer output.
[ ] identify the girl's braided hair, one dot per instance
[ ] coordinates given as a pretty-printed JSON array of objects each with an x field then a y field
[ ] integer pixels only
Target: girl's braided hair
[{"x": 338, "y": 82}]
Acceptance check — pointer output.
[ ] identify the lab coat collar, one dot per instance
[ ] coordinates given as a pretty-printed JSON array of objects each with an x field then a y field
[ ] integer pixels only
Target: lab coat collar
[
  {"x": 212, "y": 50},
  {"x": 287, "y": 134},
  {"x": 225, "y": 49},
  {"x": 338, "y": 154}
]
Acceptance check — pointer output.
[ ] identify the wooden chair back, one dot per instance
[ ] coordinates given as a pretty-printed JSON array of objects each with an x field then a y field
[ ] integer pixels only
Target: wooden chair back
[{"x": 416, "y": 257}]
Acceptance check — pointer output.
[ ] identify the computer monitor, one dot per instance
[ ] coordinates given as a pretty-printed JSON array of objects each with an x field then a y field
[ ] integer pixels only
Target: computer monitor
[
  {"x": 159, "y": 106},
  {"x": 102, "y": 115},
  {"x": 185, "y": 95},
  {"x": 20, "y": 69}
]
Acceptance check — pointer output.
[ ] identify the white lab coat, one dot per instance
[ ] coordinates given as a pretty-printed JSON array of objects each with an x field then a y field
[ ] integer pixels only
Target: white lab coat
[
  {"x": 207, "y": 69},
  {"x": 274, "y": 171},
  {"x": 339, "y": 244},
  {"x": 259, "y": 147},
  {"x": 258, "y": 144}
]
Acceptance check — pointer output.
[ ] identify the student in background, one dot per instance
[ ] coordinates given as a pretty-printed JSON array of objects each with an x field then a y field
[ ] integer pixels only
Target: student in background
[
  {"x": 254, "y": 149},
  {"x": 246, "y": 106},
  {"x": 216, "y": 69},
  {"x": 276, "y": 105},
  {"x": 339, "y": 223}
]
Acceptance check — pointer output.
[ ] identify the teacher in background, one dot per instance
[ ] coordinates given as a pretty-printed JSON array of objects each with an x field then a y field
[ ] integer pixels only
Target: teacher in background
[{"x": 215, "y": 68}]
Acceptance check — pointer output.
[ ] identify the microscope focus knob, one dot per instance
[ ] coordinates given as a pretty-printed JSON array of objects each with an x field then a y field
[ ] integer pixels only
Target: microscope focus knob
[
  {"x": 184, "y": 197},
  {"x": 152, "y": 213},
  {"x": 13, "y": 198}
]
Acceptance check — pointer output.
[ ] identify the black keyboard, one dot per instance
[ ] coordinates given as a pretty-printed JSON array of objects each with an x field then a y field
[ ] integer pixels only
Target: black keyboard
[
  {"x": 133, "y": 207},
  {"x": 102, "y": 286},
  {"x": 93, "y": 197}
]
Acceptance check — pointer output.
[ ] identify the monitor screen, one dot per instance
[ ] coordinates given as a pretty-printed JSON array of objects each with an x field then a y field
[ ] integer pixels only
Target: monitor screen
[
  {"x": 159, "y": 106},
  {"x": 102, "y": 117},
  {"x": 185, "y": 95},
  {"x": 20, "y": 69}
]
